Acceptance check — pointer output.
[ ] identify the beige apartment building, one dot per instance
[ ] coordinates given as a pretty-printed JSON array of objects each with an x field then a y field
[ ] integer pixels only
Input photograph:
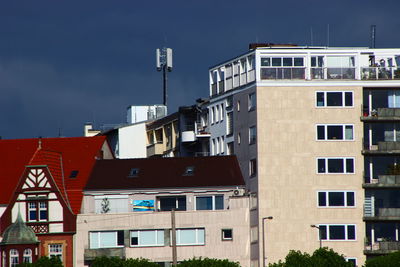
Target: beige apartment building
[{"x": 316, "y": 132}]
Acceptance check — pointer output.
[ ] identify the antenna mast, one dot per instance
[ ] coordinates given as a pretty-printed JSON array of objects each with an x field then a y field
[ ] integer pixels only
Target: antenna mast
[{"x": 164, "y": 63}]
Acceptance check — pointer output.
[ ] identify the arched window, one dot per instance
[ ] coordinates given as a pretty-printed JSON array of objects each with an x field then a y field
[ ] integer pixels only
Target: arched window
[
  {"x": 14, "y": 260},
  {"x": 27, "y": 255}
]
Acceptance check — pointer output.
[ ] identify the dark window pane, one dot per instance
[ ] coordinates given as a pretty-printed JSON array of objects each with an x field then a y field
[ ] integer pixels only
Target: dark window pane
[
  {"x": 321, "y": 132},
  {"x": 348, "y": 99},
  {"x": 265, "y": 62},
  {"x": 320, "y": 99},
  {"x": 298, "y": 61},
  {"x": 120, "y": 238},
  {"x": 33, "y": 215},
  {"x": 204, "y": 203},
  {"x": 353, "y": 262},
  {"x": 43, "y": 215},
  {"x": 167, "y": 204},
  {"x": 287, "y": 62},
  {"x": 351, "y": 232},
  {"x": 335, "y": 166},
  {"x": 134, "y": 241},
  {"x": 349, "y": 165},
  {"x": 227, "y": 234},
  {"x": 323, "y": 232},
  {"x": 336, "y": 199},
  {"x": 350, "y": 198},
  {"x": 337, "y": 232},
  {"x": 321, "y": 166},
  {"x": 277, "y": 61},
  {"x": 334, "y": 99},
  {"x": 313, "y": 62},
  {"x": 219, "y": 202},
  {"x": 335, "y": 132},
  {"x": 181, "y": 203},
  {"x": 321, "y": 199}
]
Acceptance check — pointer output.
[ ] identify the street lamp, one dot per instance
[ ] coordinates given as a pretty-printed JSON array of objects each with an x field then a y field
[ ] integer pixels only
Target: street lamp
[
  {"x": 319, "y": 234},
  {"x": 263, "y": 234}
]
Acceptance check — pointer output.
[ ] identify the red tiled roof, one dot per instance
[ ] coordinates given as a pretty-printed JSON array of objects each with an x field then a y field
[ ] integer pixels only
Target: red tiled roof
[
  {"x": 61, "y": 155},
  {"x": 165, "y": 173}
]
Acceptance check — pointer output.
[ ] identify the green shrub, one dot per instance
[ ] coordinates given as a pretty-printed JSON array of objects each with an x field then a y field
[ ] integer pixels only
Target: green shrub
[{"x": 206, "y": 262}]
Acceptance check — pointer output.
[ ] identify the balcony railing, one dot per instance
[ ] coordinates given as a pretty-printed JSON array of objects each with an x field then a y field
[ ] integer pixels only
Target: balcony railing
[
  {"x": 382, "y": 247},
  {"x": 282, "y": 73},
  {"x": 378, "y": 73},
  {"x": 383, "y": 214},
  {"x": 91, "y": 254},
  {"x": 380, "y": 114},
  {"x": 382, "y": 181},
  {"x": 383, "y": 147}
]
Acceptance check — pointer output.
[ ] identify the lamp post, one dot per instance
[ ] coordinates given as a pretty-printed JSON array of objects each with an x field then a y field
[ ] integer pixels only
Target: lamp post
[
  {"x": 263, "y": 235},
  {"x": 319, "y": 234}
]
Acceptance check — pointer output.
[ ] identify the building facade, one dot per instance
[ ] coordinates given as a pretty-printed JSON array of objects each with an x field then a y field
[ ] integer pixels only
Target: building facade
[{"x": 319, "y": 170}]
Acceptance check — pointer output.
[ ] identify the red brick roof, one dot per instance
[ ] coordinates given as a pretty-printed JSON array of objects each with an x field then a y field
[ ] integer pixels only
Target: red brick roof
[
  {"x": 165, "y": 173},
  {"x": 61, "y": 155}
]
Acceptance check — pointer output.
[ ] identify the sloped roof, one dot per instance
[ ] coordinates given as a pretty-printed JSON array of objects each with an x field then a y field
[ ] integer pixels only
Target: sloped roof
[
  {"x": 61, "y": 155},
  {"x": 165, "y": 173}
]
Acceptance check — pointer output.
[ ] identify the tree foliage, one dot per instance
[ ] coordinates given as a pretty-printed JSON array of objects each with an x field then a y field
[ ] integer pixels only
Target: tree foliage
[
  {"x": 43, "y": 262},
  {"x": 117, "y": 262},
  {"x": 207, "y": 262},
  {"x": 322, "y": 257},
  {"x": 390, "y": 260}
]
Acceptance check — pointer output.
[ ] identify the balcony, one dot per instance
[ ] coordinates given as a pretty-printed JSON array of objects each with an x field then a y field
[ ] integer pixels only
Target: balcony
[
  {"x": 383, "y": 148},
  {"x": 91, "y": 254},
  {"x": 381, "y": 115},
  {"x": 282, "y": 73},
  {"x": 383, "y": 214},
  {"x": 384, "y": 181},
  {"x": 380, "y": 73},
  {"x": 332, "y": 73},
  {"x": 382, "y": 247},
  {"x": 155, "y": 149},
  {"x": 191, "y": 132}
]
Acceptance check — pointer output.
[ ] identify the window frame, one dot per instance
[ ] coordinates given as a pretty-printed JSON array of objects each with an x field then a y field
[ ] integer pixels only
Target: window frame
[
  {"x": 117, "y": 232},
  {"x": 253, "y": 167},
  {"x": 252, "y": 137},
  {"x": 57, "y": 254},
  {"x": 326, "y": 126},
  {"x": 213, "y": 201},
  {"x": 325, "y": 105},
  {"x": 345, "y": 198},
  {"x": 156, "y": 231},
  {"x": 37, "y": 210},
  {"x": 223, "y": 237},
  {"x": 252, "y": 102},
  {"x": 197, "y": 233},
  {"x": 176, "y": 202},
  {"x": 27, "y": 255},
  {"x": 327, "y": 166},
  {"x": 346, "y": 232},
  {"x": 13, "y": 257}
]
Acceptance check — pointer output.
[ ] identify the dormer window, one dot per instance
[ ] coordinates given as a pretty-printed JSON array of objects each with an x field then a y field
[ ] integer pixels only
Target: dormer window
[
  {"x": 73, "y": 174},
  {"x": 134, "y": 172},
  {"x": 189, "y": 171}
]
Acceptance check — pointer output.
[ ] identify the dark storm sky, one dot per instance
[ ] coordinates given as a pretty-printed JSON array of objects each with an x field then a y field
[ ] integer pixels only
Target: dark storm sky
[{"x": 64, "y": 63}]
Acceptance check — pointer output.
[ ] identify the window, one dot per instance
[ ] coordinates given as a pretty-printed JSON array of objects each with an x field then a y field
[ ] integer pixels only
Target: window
[
  {"x": 217, "y": 145},
  {"x": 222, "y": 144},
  {"x": 334, "y": 99},
  {"x": 73, "y": 174},
  {"x": 189, "y": 171},
  {"x": 353, "y": 261},
  {"x": 56, "y": 250},
  {"x": 173, "y": 202},
  {"x": 37, "y": 211},
  {"x": 212, "y": 111},
  {"x": 111, "y": 204},
  {"x": 252, "y": 101},
  {"x": 27, "y": 256},
  {"x": 239, "y": 138},
  {"x": 238, "y": 106},
  {"x": 134, "y": 172},
  {"x": 190, "y": 237},
  {"x": 253, "y": 234},
  {"x": 335, "y": 165},
  {"x": 107, "y": 239},
  {"x": 143, "y": 238},
  {"x": 210, "y": 202},
  {"x": 252, "y": 135},
  {"x": 217, "y": 114},
  {"x": 14, "y": 258},
  {"x": 338, "y": 231},
  {"x": 335, "y": 132},
  {"x": 230, "y": 148},
  {"x": 229, "y": 102},
  {"x": 213, "y": 149},
  {"x": 336, "y": 199},
  {"x": 222, "y": 112},
  {"x": 227, "y": 234},
  {"x": 252, "y": 167},
  {"x": 229, "y": 123}
]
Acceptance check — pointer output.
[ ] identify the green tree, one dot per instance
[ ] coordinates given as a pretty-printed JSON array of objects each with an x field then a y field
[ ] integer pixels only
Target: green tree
[
  {"x": 207, "y": 262},
  {"x": 44, "y": 262},
  {"x": 117, "y": 262},
  {"x": 390, "y": 260}
]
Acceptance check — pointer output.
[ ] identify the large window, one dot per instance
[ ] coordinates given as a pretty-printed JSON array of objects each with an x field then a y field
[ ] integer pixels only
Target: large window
[
  {"x": 337, "y": 231},
  {"x": 111, "y": 204},
  {"x": 143, "y": 238},
  {"x": 335, "y": 165},
  {"x": 190, "y": 237},
  {"x": 27, "y": 257},
  {"x": 37, "y": 211},
  {"x": 210, "y": 202},
  {"x": 14, "y": 257},
  {"x": 335, "y": 132},
  {"x": 172, "y": 202},
  {"x": 252, "y": 101},
  {"x": 282, "y": 68},
  {"x": 106, "y": 239},
  {"x": 252, "y": 135},
  {"x": 336, "y": 199},
  {"x": 334, "y": 99},
  {"x": 56, "y": 250},
  {"x": 229, "y": 123}
]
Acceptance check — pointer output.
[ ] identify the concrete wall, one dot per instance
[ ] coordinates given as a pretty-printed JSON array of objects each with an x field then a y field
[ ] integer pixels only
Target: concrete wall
[
  {"x": 132, "y": 141},
  {"x": 236, "y": 218},
  {"x": 287, "y": 177}
]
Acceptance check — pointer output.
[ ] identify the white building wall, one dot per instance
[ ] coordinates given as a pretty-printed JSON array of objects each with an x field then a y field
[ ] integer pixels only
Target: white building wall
[{"x": 132, "y": 141}]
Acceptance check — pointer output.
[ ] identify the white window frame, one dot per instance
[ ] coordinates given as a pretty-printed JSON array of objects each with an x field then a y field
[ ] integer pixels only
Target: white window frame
[
  {"x": 336, "y": 191},
  {"x": 326, "y": 132},
  {"x": 345, "y": 233},
  {"x": 27, "y": 256},
  {"x": 223, "y": 237},
  {"x": 159, "y": 243},
  {"x": 213, "y": 201},
  {"x": 198, "y": 232},
  {"x": 343, "y": 99},
  {"x": 98, "y": 233},
  {"x": 56, "y": 250},
  {"x": 352, "y": 258},
  {"x": 344, "y": 165},
  {"x": 13, "y": 257}
]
